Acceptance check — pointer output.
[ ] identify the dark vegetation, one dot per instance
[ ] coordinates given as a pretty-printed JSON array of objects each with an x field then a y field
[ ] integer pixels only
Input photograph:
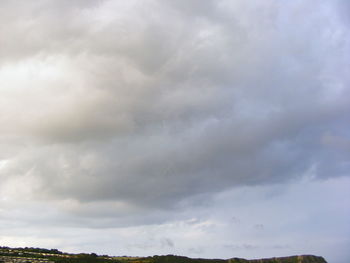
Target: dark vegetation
[{"x": 57, "y": 256}]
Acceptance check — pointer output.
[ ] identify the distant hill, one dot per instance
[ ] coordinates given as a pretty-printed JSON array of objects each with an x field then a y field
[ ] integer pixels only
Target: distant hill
[{"x": 41, "y": 255}]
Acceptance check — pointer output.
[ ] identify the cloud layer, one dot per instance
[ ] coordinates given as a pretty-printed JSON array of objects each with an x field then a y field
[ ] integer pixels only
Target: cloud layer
[
  {"x": 148, "y": 103},
  {"x": 111, "y": 110}
]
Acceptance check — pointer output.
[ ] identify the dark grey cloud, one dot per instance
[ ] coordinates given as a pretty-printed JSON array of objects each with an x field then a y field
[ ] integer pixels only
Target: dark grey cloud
[
  {"x": 147, "y": 104},
  {"x": 299, "y": 218}
]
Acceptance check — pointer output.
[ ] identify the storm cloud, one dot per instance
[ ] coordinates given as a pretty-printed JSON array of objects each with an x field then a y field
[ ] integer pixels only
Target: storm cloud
[{"x": 119, "y": 114}]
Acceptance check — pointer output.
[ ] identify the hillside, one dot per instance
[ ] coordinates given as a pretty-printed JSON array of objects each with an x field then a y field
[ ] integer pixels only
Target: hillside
[{"x": 40, "y": 255}]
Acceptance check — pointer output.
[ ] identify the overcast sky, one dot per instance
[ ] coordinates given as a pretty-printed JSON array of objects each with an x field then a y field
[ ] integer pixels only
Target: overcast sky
[{"x": 198, "y": 128}]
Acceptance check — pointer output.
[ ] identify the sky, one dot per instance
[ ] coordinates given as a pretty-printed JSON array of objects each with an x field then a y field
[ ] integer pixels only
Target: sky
[{"x": 212, "y": 129}]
